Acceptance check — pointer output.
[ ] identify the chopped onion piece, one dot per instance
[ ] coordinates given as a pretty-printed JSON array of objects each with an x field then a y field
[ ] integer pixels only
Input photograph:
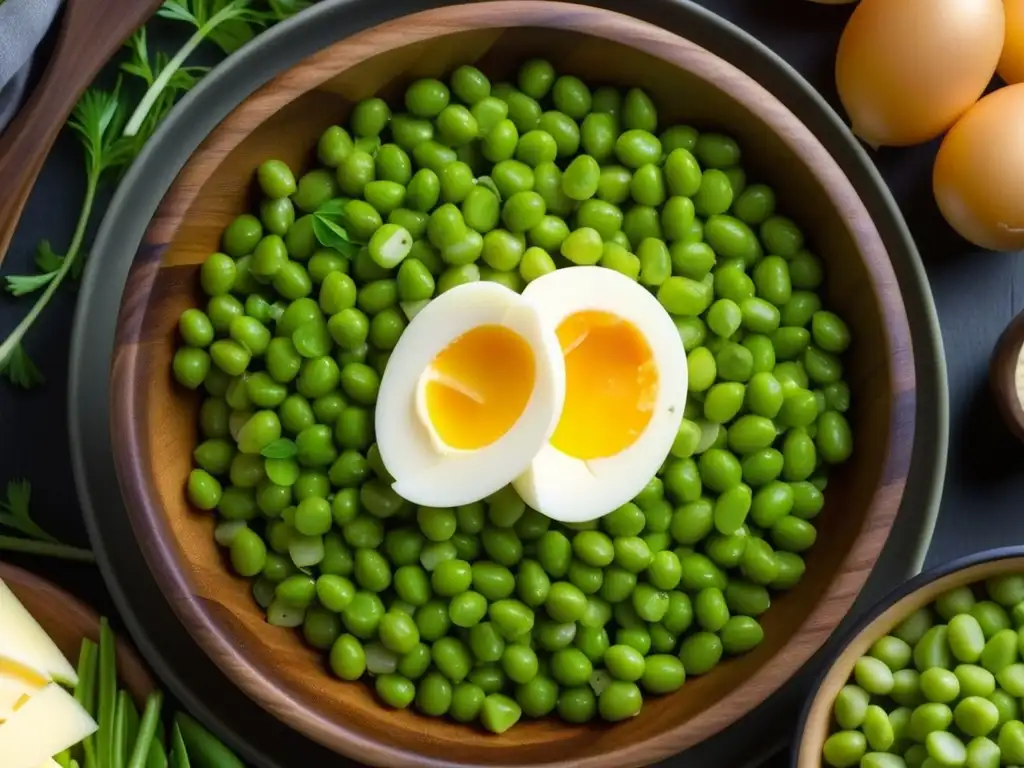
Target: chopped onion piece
[
  {"x": 263, "y": 591},
  {"x": 225, "y": 532},
  {"x": 379, "y": 660},
  {"x": 306, "y": 550},
  {"x": 599, "y": 680},
  {"x": 282, "y": 615},
  {"x": 708, "y": 434}
]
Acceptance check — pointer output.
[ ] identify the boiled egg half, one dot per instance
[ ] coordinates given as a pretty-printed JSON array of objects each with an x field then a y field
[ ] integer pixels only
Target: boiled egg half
[
  {"x": 471, "y": 393},
  {"x": 573, "y": 392},
  {"x": 625, "y": 389}
]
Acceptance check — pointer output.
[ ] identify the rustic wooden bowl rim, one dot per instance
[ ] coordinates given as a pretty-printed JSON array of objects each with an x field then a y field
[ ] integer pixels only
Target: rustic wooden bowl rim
[
  {"x": 150, "y": 526},
  {"x": 867, "y": 624}
]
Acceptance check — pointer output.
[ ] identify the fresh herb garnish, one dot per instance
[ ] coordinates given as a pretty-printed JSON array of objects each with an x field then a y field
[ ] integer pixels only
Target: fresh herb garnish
[
  {"x": 329, "y": 227},
  {"x": 98, "y": 119},
  {"x": 16, "y": 516},
  {"x": 228, "y": 24},
  {"x": 112, "y": 140}
]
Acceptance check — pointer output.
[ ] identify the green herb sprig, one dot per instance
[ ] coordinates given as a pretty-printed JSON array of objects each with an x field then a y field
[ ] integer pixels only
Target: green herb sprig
[
  {"x": 113, "y": 133},
  {"x": 229, "y": 24},
  {"x": 98, "y": 120},
  {"x": 15, "y": 515}
]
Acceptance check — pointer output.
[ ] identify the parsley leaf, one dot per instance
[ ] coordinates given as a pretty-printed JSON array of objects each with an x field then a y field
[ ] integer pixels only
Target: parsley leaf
[
  {"x": 46, "y": 259},
  {"x": 329, "y": 228},
  {"x": 98, "y": 120},
  {"x": 18, "y": 368},
  {"x": 22, "y": 285},
  {"x": 283, "y": 9},
  {"x": 226, "y": 23},
  {"x": 14, "y": 513}
]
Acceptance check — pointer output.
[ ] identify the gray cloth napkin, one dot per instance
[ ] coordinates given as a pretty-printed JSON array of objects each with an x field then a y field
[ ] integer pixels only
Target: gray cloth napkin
[{"x": 23, "y": 23}]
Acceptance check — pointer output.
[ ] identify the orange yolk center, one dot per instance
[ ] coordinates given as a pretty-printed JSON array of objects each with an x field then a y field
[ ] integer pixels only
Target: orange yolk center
[
  {"x": 479, "y": 385},
  {"x": 611, "y": 384}
]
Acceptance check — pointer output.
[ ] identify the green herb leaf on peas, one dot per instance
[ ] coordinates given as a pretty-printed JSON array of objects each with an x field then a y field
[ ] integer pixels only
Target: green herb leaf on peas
[
  {"x": 282, "y": 448},
  {"x": 329, "y": 229}
]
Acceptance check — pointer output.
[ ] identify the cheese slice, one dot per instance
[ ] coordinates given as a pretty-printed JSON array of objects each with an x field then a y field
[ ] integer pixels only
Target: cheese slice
[
  {"x": 17, "y": 684},
  {"x": 47, "y": 724},
  {"x": 24, "y": 641}
]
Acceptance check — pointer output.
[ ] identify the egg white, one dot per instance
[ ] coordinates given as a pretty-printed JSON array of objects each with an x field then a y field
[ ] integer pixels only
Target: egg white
[
  {"x": 428, "y": 472},
  {"x": 575, "y": 490}
]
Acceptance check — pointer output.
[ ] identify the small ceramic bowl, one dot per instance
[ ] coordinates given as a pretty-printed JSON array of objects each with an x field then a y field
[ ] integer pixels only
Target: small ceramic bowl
[
  {"x": 816, "y": 721},
  {"x": 153, "y": 424}
]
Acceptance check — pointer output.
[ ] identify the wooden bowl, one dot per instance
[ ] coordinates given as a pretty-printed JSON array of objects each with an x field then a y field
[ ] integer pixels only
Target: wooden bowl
[
  {"x": 154, "y": 424},
  {"x": 816, "y": 721},
  {"x": 67, "y": 620}
]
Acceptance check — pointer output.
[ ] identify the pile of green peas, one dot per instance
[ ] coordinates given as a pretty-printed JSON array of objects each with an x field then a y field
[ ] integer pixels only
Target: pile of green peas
[
  {"x": 942, "y": 690},
  {"x": 491, "y": 611}
]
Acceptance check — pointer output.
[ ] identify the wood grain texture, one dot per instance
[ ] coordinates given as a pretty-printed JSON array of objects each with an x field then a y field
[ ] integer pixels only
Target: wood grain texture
[
  {"x": 153, "y": 423},
  {"x": 1003, "y": 375},
  {"x": 818, "y": 722},
  {"x": 91, "y": 31},
  {"x": 67, "y": 620}
]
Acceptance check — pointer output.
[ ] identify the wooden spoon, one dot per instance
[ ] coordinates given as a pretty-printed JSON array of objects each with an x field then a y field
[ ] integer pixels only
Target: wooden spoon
[{"x": 91, "y": 32}]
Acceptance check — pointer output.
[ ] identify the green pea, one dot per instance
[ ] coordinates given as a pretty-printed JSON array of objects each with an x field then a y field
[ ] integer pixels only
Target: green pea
[
  {"x": 714, "y": 194},
  {"x": 467, "y": 702},
  {"x": 700, "y": 653},
  {"x": 523, "y": 211},
  {"x": 655, "y": 263},
  {"x": 583, "y": 247},
  {"x": 844, "y": 749},
  {"x": 335, "y": 145},
  {"x": 597, "y": 134},
  {"x": 976, "y": 716},
  {"x": 679, "y": 137},
  {"x": 347, "y": 658},
  {"x": 685, "y": 296},
  {"x": 763, "y": 466},
  {"x": 741, "y": 634},
  {"x": 834, "y": 440},
  {"x": 755, "y": 204},
  {"x": 732, "y": 239},
  {"x": 455, "y": 276},
  {"x": 241, "y": 236}
]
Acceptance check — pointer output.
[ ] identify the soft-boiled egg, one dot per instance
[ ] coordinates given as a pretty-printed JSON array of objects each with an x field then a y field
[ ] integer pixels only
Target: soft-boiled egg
[
  {"x": 625, "y": 389},
  {"x": 471, "y": 393}
]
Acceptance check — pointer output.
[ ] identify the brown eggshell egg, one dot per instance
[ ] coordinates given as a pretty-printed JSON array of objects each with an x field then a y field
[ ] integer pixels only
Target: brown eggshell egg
[
  {"x": 979, "y": 172},
  {"x": 1011, "y": 63},
  {"x": 907, "y": 69}
]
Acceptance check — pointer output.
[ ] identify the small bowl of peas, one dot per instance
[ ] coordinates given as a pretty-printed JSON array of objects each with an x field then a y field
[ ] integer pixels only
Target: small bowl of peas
[
  {"x": 296, "y": 247},
  {"x": 933, "y": 676}
]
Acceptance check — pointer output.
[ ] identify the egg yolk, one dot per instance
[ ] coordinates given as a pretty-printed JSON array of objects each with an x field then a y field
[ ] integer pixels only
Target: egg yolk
[
  {"x": 611, "y": 384},
  {"x": 479, "y": 386}
]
